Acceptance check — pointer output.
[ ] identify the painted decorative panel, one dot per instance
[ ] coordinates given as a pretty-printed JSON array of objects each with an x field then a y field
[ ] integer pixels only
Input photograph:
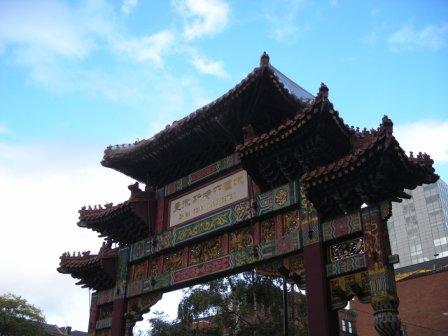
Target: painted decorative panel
[
  {"x": 105, "y": 296},
  {"x": 341, "y": 226},
  {"x": 104, "y": 317},
  {"x": 172, "y": 261},
  {"x": 343, "y": 289},
  {"x": 135, "y": 288},
  {"x": 267, "y": 230},
  {"x": 346, "y": 249},
  {"x": 142, "y": 248},
  {"x": 211, "y": 170},
  {"x": 241, "y": 238},
  {"x": 206, "y": 268},
  {"x": 293, "y": 263},
  {"x": 204, "y": 251},
  {"x": 216, "y": 195},
  {"x": 206, "y": 258},
  {"x": 346, "y": 265},
  {"x": 205, "y": 225},
  {"x": 280, "y": 246},
  {"x": 276, "y": 199},
  {"x": 291, "y": 221},
  {"x": 264, "y": 204},
  {"x": 138, "y": 271},
  {"x": 122, "y": 272},
  {"x": 104, "y": 323}
]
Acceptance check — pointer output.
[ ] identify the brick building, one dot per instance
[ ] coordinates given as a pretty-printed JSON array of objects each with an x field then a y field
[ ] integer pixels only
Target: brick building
[{"x": 423, "y": 293}]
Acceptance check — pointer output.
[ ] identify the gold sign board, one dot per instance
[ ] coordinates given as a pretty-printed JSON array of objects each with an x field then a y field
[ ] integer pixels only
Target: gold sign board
[{"x": 214, "y": 196}]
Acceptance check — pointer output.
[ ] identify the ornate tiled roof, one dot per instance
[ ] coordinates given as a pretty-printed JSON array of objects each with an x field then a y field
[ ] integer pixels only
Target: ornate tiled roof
[
  {"x": 126, "y": 158},
  {"x": 376, "y": 169},
  {"x": 340, "y": 167},
  {"x": 126, "y": 222},
  {"x": 290, "y": 126},
  {"x": 90, "y": 215},
  {"x": 96, "y": 271}
]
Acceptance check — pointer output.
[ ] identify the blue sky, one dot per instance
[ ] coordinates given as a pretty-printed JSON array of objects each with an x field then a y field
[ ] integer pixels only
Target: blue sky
[{"x": 77, "y": 76}]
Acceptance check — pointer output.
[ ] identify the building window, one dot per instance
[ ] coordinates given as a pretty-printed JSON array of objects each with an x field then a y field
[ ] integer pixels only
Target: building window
[
  {"x": 403, "y": 330},
  {"x": 350, "y": 330},
  {"x": 433, "y": 204},
  {"x": 436, "y": 217},
  {"x": 416, "y": 249},
  {"x": 440, "y": 241},
  {"x": 343, "y": 326}
]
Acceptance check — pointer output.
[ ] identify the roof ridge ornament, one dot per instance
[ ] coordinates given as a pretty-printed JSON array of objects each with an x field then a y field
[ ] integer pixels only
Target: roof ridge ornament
[
  {"x": 248, "y": 133},
  {"x": 323, "y": 92},
  {"x": 264, "y": 59}
]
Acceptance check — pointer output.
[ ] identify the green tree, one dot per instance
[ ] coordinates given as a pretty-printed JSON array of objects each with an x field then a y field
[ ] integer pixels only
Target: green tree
[
  {"x": 247, "y": 304},
  {"x": 20, "y": 318}
]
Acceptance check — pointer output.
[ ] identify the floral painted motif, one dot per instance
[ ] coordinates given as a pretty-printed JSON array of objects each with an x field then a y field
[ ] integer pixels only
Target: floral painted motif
[
  {"x": 205, "y": 225},
  {"x": 163, "y": 240},
  {"x": 267, "y": 230},
  {"x": 138, "y": 271},
  {"x": 291, "y": 221},
  {"x": 280, "y": 197},
  {"x": 154, "y": 268},
  {"x": 173, "y": 261},
  {"x": 195, "y": 254},
  {"x": 243, "y": 211},
  {"x": 245, "y": 256},
  {"x": 205, "y": 251},
  {"x": 241, "y": 238}
]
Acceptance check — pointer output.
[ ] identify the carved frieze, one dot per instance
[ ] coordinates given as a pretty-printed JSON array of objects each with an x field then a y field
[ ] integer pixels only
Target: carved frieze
[
  {"x": 267, "y": 230},
  {"x": 241, "y": 238},
  {"x": 346, "y": 249},
  {"x": 138, "y": 271},
  {"x": 291, "y": 221},
  {"x": 172, "y": 261},
  {"x": 343, "y": 289},
  {"x": 208, "y": 250}
]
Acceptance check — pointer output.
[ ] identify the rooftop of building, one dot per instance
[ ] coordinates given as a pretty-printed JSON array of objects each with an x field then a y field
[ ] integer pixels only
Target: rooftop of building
[
  {"x": 421, "y": 269},
  {"x": 53, "y": 329}
]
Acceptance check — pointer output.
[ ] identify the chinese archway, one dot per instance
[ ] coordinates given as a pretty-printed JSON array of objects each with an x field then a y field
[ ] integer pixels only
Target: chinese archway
[{"x": 267, "y": 176}]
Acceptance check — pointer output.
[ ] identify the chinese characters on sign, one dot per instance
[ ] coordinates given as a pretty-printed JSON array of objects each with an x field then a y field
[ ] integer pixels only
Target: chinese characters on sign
[{"x": 223, "y": 192}]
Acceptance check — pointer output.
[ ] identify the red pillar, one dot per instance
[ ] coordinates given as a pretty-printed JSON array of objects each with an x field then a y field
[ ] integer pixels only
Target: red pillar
[
  {"x": 118, "y": 317},
  {"x": 93, "y": 314},
  {"x": 322, "y": 320},
  {"x": 119, "y": 309}
]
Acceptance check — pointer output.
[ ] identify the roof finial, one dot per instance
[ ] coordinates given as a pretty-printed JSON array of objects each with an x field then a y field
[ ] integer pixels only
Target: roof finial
[
  {"x": 323, "y": 91},
  {"x": 264, "y": 59}
]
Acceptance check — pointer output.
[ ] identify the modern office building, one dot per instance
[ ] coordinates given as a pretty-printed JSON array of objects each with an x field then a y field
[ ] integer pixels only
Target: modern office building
[{"x": 418, "y": 228}]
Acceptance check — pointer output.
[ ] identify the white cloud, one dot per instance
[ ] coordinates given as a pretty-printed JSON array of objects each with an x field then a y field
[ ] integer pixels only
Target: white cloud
[
  {"x": 148, "y": 48},
  {"x": 431, "y": 38},
  {"x": 128, "y": 6},
  {"x": 334, "y": 3},
  {"x": 430, "y": 136},
  {"x": 283, "y": 17},
  {"x": 60, "y": 44},
  {"x": 202, "y": 17},
  {"x": 39, "y": 33},
  {"x": 39, "y": 202},
  {"x": 370, "y": 38},
  {"x": 375, "y": 11},
  {"x": 207, "y": 66},
  {"x": 3, "y": 129}
]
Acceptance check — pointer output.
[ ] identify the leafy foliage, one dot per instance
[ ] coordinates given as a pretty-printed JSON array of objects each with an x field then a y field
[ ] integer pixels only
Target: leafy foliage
[
  {"x": 20, "y": 318},
  {"x": 247, "y": 304}
]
